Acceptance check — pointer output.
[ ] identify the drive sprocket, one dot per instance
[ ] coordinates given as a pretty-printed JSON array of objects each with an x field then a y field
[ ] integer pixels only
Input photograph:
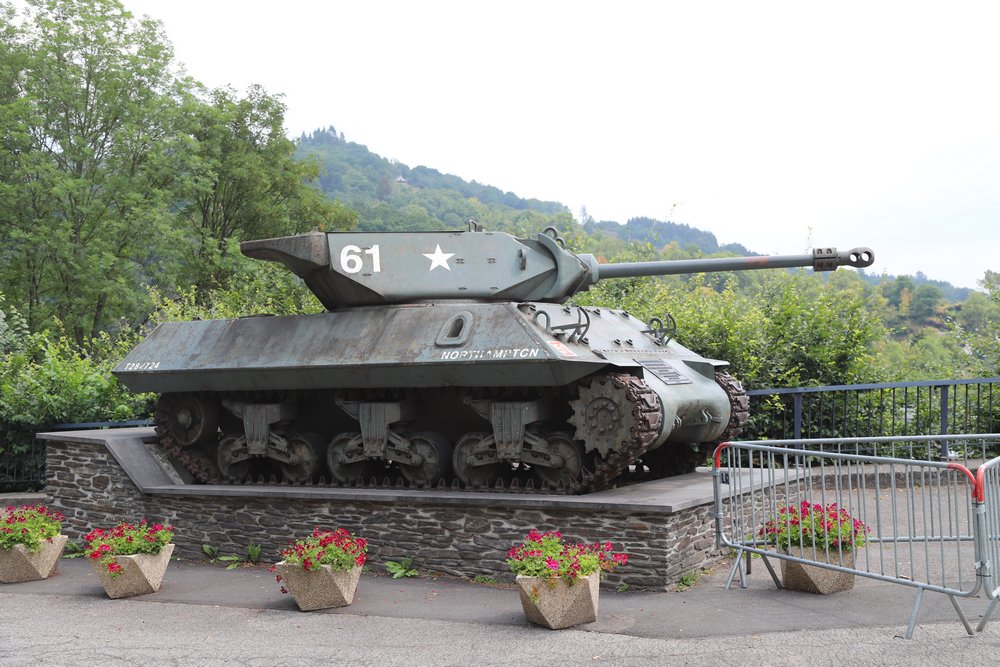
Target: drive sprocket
[{"x": 618, "y": 417}]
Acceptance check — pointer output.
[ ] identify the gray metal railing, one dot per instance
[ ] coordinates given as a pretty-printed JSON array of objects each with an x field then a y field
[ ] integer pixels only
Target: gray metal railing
[{"x": 933, "y": 407}]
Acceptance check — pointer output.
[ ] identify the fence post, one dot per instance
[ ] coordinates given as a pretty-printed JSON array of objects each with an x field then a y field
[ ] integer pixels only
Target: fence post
[
  {"x": 797, "y": 401},
  {"x": 944, "y": 421}
]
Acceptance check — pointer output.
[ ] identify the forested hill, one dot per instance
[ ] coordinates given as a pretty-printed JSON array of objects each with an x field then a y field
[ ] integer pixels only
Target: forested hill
[
  {"x": 658, "y": 233},
  {"x": 391, "y": 196}
]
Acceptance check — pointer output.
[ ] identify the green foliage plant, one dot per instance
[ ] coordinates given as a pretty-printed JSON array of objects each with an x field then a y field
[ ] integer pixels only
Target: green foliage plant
[
  {"x": 55, "y": 381},
  {"x": 211, "y": 552},
  {"x": 73, "y": 550},
  {"x": 251, "y": 559},
  {"x": 545, "y": 555},
  {"x": 253, "y": 554},
  {"x": 233, "y": 561},
  {"x": 811, "y": 525},
  {"x": 29, "y": 525},
  {"x": 398, "y": 570},
  {"x": 687, "y": 580},
  {"x": 126, "y": 539}
]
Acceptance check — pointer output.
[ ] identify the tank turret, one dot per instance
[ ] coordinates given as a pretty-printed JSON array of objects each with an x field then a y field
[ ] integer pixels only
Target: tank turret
[
  {"x": 444, "y": 358},
  {"x": 360, "y": 269}
]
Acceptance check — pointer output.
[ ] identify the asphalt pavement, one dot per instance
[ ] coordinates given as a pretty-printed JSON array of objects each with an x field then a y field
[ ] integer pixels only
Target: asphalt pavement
[{"x": 207, "y": 615}]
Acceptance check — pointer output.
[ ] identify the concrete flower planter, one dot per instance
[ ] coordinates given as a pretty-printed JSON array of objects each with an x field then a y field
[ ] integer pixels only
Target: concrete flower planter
[
  {"x": 813, "y": 579},
  {"x": 18, "y": 564},
  {"x": 556, "y": 603},
  {"x": 324, "y": 588},
  {"x": 140, "y": 573}
]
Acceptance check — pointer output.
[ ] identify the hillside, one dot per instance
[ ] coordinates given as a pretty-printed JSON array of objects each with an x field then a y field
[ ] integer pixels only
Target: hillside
[
  {"x": 659, "y": 233},
  {"x": 391, "y": 196}
]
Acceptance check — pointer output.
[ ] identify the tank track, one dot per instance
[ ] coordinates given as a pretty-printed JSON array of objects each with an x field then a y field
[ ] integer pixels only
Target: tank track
[
  {"x": 645, "y": 410},
  {"x": 192, "y": 459},
  {"x": 739, "y": 406},
  {"x": 648, "y": 415}
]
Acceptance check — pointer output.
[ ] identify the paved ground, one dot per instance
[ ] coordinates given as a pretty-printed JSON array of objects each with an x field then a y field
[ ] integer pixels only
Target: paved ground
[{"x": 205, "y": 615}]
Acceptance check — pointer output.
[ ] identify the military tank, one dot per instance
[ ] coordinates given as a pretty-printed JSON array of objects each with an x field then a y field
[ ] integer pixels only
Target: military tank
[{"x": 446, "y": 358}]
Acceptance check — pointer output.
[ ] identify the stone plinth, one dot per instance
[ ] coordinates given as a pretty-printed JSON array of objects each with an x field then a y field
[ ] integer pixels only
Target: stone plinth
[{"x": 96, "y": 477}]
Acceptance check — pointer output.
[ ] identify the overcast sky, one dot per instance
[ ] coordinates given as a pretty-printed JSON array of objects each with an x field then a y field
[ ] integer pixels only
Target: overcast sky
[{"x": 777, "y": 125}]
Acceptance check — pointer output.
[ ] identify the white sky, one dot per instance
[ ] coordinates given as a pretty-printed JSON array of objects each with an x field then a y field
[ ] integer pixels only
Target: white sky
[{"x": 778, "y": 125}]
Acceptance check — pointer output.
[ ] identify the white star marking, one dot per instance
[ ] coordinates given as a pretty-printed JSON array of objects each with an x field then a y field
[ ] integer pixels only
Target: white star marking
[{"x": 439, "y": 258}]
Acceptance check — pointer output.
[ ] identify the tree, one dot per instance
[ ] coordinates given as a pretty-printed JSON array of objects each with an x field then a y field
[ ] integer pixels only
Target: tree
[
  {"x": 978, "y": 326},
  {"x": 87, "y": 162},
  {"x": 245, "y": 182},
  {"x": 924, "y": 305},
  {"x": 116, "y": 174}
]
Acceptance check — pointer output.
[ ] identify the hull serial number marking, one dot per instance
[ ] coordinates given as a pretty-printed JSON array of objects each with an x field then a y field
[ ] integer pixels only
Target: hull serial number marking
[{"x": 142, "y": 365}]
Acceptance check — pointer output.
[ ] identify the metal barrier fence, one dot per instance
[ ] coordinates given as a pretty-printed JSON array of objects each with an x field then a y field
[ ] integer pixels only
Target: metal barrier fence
[
  {"x": 883, "y": 409},
  {"x": 988, "y": 481},
  {"x": 881, "y": 508}
]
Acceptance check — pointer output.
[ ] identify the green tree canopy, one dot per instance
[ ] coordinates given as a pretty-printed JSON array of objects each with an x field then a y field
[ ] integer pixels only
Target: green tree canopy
[
  {"x": 116, "y": 173},
  {"x": 245, "y": 182},
  {"x": 88, "y": 160}
]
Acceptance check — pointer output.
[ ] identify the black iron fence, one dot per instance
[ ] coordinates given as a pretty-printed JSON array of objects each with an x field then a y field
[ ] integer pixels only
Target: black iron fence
[
  {"x": 22, "y": 460},
  {"x": 22, "y": 456},
  {"x": 934, "y": 407}
]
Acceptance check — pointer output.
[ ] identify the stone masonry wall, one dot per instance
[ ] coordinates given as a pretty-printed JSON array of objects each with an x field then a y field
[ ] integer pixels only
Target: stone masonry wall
[{"x": 85, "y": 483}]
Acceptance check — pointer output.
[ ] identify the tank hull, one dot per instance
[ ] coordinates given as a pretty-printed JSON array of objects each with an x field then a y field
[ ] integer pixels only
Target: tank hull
[
  {"x": 399, "y": 346},
  {"x": 559, "y": 371}
]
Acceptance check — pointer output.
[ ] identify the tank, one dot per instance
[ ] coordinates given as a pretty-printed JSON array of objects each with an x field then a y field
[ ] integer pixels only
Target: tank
[{"x": 444, "y": 358}]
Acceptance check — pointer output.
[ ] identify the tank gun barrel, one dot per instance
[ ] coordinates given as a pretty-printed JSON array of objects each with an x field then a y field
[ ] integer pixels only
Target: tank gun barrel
[{"x": 821, "y": 259}]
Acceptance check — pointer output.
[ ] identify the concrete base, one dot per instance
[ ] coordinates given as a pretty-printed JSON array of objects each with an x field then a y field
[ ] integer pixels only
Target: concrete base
[
  {"x": 17, "y": 564},
  {"x": 140, "y": 574},
  {"x": 558, "y": 604},
  {"x": 819, "y": 580},
  {"x": 95, "y": 477},
  {"x": 320, "y": 589}
]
